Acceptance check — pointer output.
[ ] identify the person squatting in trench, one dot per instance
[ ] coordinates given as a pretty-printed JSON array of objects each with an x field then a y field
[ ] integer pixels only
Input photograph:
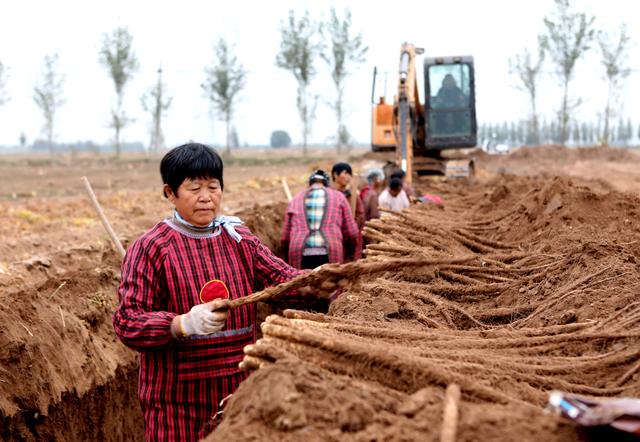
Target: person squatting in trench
[{"x": 190, "y": 349}]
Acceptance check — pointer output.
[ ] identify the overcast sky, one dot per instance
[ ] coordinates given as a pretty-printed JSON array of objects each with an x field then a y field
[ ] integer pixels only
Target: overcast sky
[{"x": 179, "y": 36}]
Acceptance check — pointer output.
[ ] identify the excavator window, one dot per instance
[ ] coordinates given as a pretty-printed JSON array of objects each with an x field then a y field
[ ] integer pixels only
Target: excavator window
[{"x": 450, "y": 100}]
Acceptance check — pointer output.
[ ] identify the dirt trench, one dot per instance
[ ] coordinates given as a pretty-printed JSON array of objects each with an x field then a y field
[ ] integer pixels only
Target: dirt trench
[
  {"x": 109, "y": 412},
  {"x": 65, "y": 376}
]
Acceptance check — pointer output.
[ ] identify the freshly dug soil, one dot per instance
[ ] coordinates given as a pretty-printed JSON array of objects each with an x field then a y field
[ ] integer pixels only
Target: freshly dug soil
[
  {"x": 64, "y": 374},
  {"x": 293, "y": 400},
  {"x": 265, "y": 221}
]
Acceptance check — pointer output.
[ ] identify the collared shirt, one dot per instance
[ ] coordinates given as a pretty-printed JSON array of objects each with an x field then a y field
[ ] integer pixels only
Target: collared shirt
[
  {"x": 395, "y": 203},
  {"x": 162, "y": 275}
]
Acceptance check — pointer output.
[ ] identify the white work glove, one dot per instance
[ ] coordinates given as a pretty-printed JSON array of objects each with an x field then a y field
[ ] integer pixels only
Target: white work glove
[{"x": 204, "y": 319}]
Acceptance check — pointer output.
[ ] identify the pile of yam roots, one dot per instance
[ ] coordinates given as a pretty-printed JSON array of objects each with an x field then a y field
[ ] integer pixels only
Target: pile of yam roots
[{"x": 441, "y": 301}]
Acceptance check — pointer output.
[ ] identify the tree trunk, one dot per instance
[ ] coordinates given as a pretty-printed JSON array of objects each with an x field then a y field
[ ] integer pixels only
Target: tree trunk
[
  {"x": 339, "y": 118},
  {"x": 535, "y": 130},
  {"x": 118, "y": 140},
  {"x": 228, "y": 126},
  {"x": 304, "y": 113},
  {"x": 304, "y": 136},
  {"x": 338, "y": 135},
  {"x": 118, "y": 122},
  {"x": 607, "y": 116},
  {"x": 158, "y": 130},
  {"x": 50, "y": 136},
  {"x": 564, "y": 117}
]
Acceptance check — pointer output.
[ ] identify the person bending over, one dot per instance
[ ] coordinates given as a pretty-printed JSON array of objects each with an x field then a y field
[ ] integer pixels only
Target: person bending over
[{"x": 394, "y": 198}]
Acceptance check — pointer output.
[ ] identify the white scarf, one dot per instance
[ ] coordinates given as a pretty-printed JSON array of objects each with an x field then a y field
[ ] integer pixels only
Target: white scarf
[{"x": 227, "y": 222}]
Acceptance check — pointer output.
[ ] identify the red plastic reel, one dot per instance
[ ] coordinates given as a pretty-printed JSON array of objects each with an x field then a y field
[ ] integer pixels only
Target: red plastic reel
[{"x": 214, "y": 289}]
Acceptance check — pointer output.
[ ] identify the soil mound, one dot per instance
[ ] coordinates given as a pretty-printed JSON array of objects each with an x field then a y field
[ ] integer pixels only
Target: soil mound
[
  {"x": 515, "y": 286},
  {"x": 265, "y": 221},
  {"x": 558, "y": 207},
  {"x": 287, "y": 401}
]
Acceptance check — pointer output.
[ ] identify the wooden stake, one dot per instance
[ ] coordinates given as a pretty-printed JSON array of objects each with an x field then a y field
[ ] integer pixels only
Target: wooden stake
[
  {"x": 103, "y": 217},
  {"x": 58, "y": 289},
  {"x": 287, "y": 191},
  {"x": 450, "y": 415}
]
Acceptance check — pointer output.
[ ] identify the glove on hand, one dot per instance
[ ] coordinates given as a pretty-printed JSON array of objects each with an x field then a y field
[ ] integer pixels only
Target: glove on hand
[{"x": 205, "y": 319}]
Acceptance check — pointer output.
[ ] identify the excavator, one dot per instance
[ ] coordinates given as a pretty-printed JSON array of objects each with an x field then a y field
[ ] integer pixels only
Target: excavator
[{"x": 431, "y": 138}]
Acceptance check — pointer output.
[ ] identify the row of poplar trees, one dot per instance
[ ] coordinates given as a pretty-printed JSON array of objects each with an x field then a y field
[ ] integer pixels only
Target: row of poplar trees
[
  {"x": 569, "y": 34},
  {"x": 303, "y": 42},
  {"x": 581, "y": 133},
  {"x": 119, "y": 59}
]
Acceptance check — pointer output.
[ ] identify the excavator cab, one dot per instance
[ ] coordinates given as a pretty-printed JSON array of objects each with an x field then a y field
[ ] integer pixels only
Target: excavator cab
[{"x": 450, "y": 103}]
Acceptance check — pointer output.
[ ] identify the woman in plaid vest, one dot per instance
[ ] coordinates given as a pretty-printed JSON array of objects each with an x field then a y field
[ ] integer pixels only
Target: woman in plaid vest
[{"x": 318, "y": 226}]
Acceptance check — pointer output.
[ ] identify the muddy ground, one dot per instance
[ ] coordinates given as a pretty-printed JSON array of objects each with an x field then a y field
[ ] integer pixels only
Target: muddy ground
[{"x": 64, "y": 375}]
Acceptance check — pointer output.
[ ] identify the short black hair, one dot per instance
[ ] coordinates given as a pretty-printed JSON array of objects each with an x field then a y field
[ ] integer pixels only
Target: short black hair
[
  {"x": 395, "y": 184},
  {"x": 338, "y": 168},
  {"x": 398, "y": 174},
  {"x": 190, "y": 161}
]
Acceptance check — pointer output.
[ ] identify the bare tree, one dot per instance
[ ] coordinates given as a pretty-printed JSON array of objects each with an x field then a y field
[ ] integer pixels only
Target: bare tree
[
  {"x": 156, "y": 103},
  {"x": 4, "y": 76},
  {"x": 343, "y": 50},
  {"x": 528, "y": 72},
  {"x": 298, "y": 50},
  {"x": 48, "y": 95},
  {"x": 117, "y": 56},
  {"x": 569, "y": 35},
  {"x": 613, "y": 50},
  {"x": 224, "y": 80}
]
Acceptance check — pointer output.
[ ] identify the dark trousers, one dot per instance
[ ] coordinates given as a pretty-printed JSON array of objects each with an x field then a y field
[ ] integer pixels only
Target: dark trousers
[{"x": 313, "y": 261}]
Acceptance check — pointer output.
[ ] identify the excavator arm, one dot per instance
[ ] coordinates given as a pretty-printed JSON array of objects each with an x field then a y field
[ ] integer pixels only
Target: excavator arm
[{"x": 408, "y": 110}]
